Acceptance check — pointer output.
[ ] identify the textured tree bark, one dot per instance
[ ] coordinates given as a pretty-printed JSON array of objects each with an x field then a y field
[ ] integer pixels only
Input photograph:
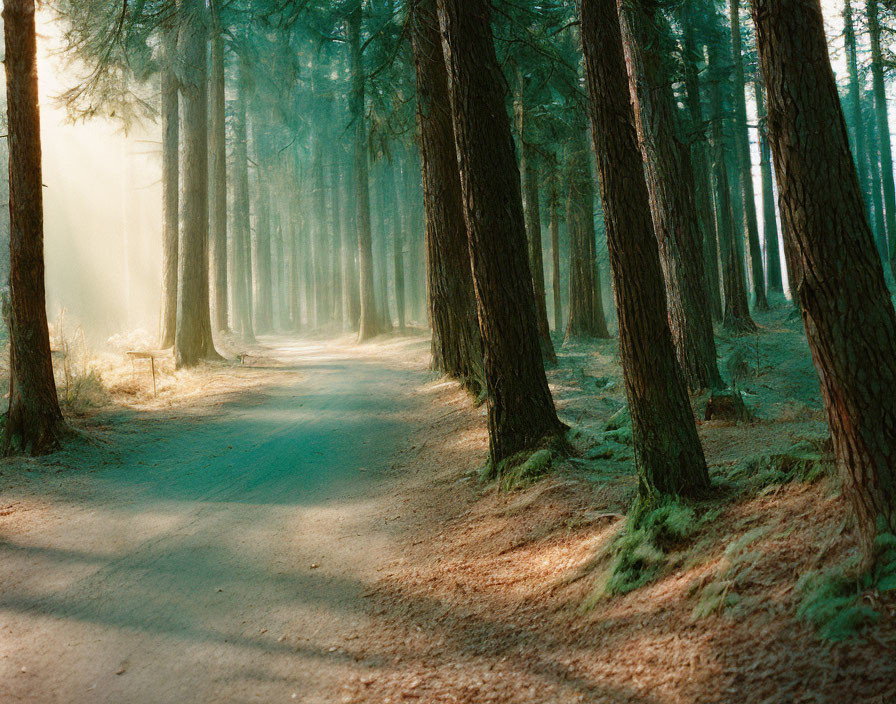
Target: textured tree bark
[
  {"x": 193, "y": 336},
  {"x": 320, "y": 226},
  {"x": 456, "y": 342},
  {"x": 170, "y": 186},
  {"x": 848, "y": 315},
  {"x": 883, "y": 130},
  {"x": 744, "y": 160},
  {"x": 586, "y": 312},
  {"x": 521, "y": 413},
  {"x": 219, "y": 175},
  {"x": 670, "y": 185},
  {"x": 769, "y": 219},
  {"x": 369, "y": 325},
  {"x": 736, "y": 315},
  {"x": 241, "y": 217},
  {"x": 668, "y": 454},
  {"x": 34, "y": 422},
  {"x": 701, "y": 161},
  {"x": 383, "y": 193}
]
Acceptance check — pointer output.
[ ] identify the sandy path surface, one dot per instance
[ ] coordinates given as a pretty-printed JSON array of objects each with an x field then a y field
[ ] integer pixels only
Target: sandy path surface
[{"x": 222, "y": 556}]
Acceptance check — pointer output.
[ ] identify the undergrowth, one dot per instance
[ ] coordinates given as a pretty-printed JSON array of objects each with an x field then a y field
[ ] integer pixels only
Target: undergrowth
[
  {"x": 838, "y": 601},
  {"x": 644, "y": 544},
  {"x": 806, "y": 461}
]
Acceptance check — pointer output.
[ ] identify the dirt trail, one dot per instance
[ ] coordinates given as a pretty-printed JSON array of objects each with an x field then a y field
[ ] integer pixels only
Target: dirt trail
[{"x": 216, "y": 557}]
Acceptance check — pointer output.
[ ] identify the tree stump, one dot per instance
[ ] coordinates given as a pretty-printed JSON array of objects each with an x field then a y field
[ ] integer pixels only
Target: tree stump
[{"x": 727, "y": 405}]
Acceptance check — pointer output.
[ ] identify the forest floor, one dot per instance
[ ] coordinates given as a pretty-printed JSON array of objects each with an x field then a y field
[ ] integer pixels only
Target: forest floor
[{"x": 310, "y": 527}]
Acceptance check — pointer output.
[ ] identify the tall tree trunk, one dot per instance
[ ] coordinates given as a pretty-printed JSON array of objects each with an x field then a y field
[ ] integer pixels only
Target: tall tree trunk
[
  {"x": 744, "y": 160},
  {"x": 385, "y": 220},
  {"x": 670, "y": 185},
  {"x": 701, "y": 161},
  {"x": 350, "y": 274},
  {"x": 668, "y": 454},
  {"x": 398, "y": 226},
  {"x": 769, "y": 219},
  {"x": 219, "y": 175},
  {"x": 529, "y": 173},
  {"x": 456, "y": 343},
  {"x": 879, "y": 225},
  {"x": 193, "y": 337},
  {"x": 586, "y": 314},
  {"x": 849, "y": 317},
  {"x": 338, "y": 311},
  {"x": 264, "y": 291},
  {"x": 170, "y": 186},
  {"x": 320, "y": 227},
  {"x": 737, "y": 306},
  {"x": 883, "y": 130},
  {"x": 241, "y": 216},
  {"x": 369, "y": 320},
  {"x": 34, "y": 423},
  {"x": 554, "y": 226},
  {"x": 855, "y": 119},
  {"x": 521, "y": 413}
]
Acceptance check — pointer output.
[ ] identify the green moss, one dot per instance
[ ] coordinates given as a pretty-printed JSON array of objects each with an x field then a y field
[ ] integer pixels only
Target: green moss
[
  {"x": 526, "y": 467},
  {"x": 832, "y": 599},
  {"x": 641, "y": 549},
  {"x": 806, "y": 462}
]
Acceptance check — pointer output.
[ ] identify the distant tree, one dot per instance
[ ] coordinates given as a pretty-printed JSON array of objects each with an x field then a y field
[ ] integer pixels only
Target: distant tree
[
  {"x": 848, "y": 314},
  {"x": 743, "y": 159},
  {"x": 218, "y": 234},
  {"x": 34, "y": 422},
  {"x": 872, "y": 12},
  {"x": 668, "y": 453},
  {"x": 521, "y": 411},
  {"x": 769, "y": 216}
]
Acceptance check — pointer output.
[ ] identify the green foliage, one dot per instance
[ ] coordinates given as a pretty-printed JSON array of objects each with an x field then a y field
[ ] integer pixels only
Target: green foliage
[
  {"x": 526, "y": 467},
  {"x": 833, "y": 600},
  {"x": 619, "y": 427},
  {"x": 640, "y": 550},
  {"x": 805, "y": 461}
]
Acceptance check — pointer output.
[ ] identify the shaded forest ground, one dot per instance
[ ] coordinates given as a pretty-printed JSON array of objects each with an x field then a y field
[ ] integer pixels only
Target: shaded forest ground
[{"x": 432, "y": 587}]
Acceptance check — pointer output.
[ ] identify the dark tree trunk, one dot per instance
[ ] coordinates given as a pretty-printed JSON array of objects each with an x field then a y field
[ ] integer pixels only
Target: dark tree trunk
[
  {"x": 521, "y": 411},
  {"x": 193, "y": 337},
  {"x": 219, "y": 176},
  {"x": 737, "y": 306},
  {"x": 670, "y": 185},
  {"x": 769, "y": 220},
  {"x": 456, "y": 343},
  {"x": 849, "y": 317},
  {"x": 744, "y": 160},
  {"x": 170, "y": 186},
  {"x": 883, "y": 130},
  {"x": 370, "y": 322},
  {"x": 586, "y": 313},
  {"x": 34, "y": 422},
  {"x": 701, "y": 163},
  {"x": 383, "y": 193},
  {"x": 241, "y": 217},
  {"x": 668, "y": 454}
]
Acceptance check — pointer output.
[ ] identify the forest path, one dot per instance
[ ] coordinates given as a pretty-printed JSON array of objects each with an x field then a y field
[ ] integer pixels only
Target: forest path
[{"x": 218, "y": 557}]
